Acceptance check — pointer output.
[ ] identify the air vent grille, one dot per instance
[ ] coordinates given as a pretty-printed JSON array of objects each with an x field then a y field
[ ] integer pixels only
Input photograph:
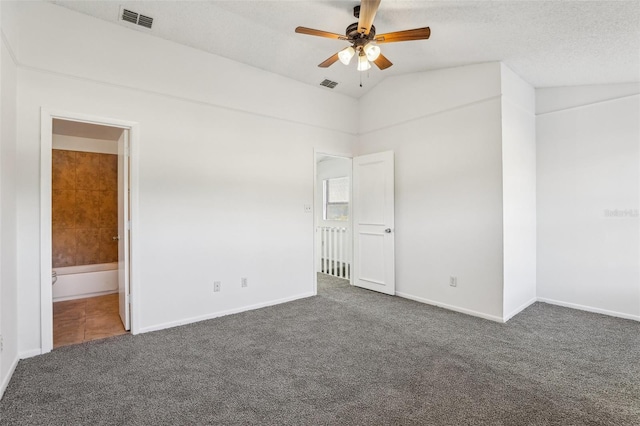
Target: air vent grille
[
  {"x": 145, "y": 21},
  {"x": 129, "y": 16},
  {"x": 328, "y": 83},
  {"x": 136, "y": 18}
]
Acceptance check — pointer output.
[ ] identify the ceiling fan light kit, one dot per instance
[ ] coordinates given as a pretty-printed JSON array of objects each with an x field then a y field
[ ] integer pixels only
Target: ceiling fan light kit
[
  {"x": 363, "y": 62},
  {"x": 372, "y": 51},
  {"x": 363, "y": 38},
  {"x": 346, "y": 54}
]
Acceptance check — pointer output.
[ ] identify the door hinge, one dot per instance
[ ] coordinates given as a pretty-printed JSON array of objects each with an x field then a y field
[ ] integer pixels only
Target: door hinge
[{"x": 128, "y": 225}]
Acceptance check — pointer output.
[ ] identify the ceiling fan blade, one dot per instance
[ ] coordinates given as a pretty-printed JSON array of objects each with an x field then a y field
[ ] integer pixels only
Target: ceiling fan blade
[
  {"x": 319, "y": 33},
  {"x": 382, "y": 62},
  {"x": 407, "y": 35},
  {"x": 329, "y": 61},
  {"x": 368, "y": 10}
]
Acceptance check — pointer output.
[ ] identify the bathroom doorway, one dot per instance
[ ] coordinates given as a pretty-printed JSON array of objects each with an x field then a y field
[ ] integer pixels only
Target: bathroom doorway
[
  {"x": 86, "y": 229},
  {"x": 87, "y": 184}
]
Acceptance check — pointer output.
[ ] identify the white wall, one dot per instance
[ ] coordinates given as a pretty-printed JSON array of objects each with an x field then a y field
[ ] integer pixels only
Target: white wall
[
  {"x": 588, "y": 163},
  {"x": 73, "y": 44},
  {"x": 445, "y": 129},
  {"x": 221, "y": 163},
  {"x": 519, "y": 192},
  {"x": 8, "y": 218}
]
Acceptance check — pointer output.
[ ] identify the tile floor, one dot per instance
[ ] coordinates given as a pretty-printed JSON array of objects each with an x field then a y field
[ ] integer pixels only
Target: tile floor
[{"x": 81, "y": 320}]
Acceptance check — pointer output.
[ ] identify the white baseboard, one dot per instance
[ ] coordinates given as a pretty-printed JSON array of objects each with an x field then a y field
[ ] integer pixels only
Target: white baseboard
[
  {"x": 7, "y": 379},
  {"x": 520, "y": 309},
  {"x": 223, "y": 313},
  {"x": 590, "y": 309},
  {"x": 451, "y": 307},
  {"x": 30, "y": 353}
]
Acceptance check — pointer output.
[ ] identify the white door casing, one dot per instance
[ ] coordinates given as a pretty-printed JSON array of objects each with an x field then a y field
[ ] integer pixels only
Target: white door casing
[
  {"x": 373, "y": 222},
  {"x": 46, "y": 296},
  {"x": 123, "y": 229}
]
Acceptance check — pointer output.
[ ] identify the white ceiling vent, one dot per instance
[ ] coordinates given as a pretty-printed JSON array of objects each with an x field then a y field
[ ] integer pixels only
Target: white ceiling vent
[
  {"x": 136, "y": 18},
  {"x": 328, "y": 83}
]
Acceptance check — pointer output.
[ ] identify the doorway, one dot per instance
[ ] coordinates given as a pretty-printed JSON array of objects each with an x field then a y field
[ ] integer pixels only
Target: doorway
[
  {"x": 86, "y": 223},
  {"x": 355, "y": 222},
  {"x": 85, "y": 187},
  {"x": 333, "y": 212}
]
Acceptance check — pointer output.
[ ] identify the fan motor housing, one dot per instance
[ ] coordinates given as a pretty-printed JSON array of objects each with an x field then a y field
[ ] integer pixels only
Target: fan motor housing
[{"x": 353, "y": 34}]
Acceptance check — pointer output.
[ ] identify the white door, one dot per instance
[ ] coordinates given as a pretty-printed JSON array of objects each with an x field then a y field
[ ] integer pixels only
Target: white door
[
  {"x": 373, "y": 222},
  {"x": 123, "y": 228}
]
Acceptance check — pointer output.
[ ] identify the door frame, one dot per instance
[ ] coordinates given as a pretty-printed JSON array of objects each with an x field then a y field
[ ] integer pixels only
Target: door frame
[
  {"x": 349, "y": 156},
  {"x": 46, "y": 144}
]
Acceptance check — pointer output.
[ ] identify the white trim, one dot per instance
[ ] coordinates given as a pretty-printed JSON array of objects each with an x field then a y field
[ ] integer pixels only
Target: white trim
[
  {"x": 451, "y": 307},
  {"x": 46, "y": 290},
  {"x": 30, "y": 353},
  {"x": 7, "y": 379},
  {"x": 3, "y": 36},
  {"x": 182, "y": 98},
  {"x": 587, "y": 104},
  {"x": 223, "y": 313},
  {"x": 135, "y": 288},
  {"x": 46, "y": 293},
  {"x": 519, "y": 309},
  {"x": 590, "y": 309},
  {"x": 433, "y": 113},
  {"x": 315, "y": 224}
]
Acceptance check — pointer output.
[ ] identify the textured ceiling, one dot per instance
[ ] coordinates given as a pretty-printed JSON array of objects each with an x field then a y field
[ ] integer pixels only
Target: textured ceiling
[{"x": 548, "y": 43}]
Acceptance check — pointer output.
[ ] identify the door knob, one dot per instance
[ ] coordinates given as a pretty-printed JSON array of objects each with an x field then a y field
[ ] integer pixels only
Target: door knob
[
  {"x": 116, "y": 238},
  {"x": 388, "y": 230}
]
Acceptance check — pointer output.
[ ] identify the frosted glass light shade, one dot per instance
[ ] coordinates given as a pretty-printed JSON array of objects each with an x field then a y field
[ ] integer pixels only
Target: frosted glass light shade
[
  {"x": 345, "y": 55},
  {"x": 363, "y": 63},
  {"x": 372, "y": 51}
]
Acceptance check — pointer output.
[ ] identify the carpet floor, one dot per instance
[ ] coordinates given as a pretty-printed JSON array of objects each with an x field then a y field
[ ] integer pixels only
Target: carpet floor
[{"x": 348, "y": 356}]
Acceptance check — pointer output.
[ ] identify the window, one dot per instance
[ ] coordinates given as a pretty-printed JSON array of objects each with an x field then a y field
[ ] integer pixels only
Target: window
[{"x": 336, "y": 198}]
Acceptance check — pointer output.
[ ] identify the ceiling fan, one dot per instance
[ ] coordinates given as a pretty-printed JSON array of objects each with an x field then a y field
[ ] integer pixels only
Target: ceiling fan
[{"x": 363, "y": 38}]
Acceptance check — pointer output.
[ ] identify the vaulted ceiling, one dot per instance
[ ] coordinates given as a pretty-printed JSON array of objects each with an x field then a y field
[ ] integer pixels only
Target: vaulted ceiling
[{"x": 548, "y": 43}]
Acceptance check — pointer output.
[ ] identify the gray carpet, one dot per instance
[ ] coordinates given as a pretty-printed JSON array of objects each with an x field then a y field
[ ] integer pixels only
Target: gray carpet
[{"x": 347, "y": 356}]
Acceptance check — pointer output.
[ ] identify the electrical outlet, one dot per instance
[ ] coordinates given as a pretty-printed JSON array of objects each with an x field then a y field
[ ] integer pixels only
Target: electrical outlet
[
  {"x": 244, "y": 282},
  {"x": 453, "y": 281},
  {"x": 307, "y": 208},
  {"x": 216, "y": 286}
]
